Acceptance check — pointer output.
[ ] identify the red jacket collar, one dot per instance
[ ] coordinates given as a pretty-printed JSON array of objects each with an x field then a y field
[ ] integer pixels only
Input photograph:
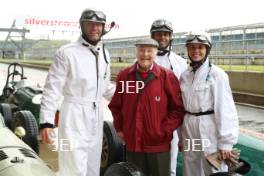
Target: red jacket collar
[{"x": 155, "y": 70}]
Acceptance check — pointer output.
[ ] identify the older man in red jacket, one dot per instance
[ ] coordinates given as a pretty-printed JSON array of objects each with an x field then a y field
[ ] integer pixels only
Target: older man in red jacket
[{"x": 147, "y": 108}]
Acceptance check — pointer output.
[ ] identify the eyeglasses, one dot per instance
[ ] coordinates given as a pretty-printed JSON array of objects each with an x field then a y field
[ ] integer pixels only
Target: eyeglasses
[
  {"x": 162, "y": 23},
  {"x": 89, "y": 14}
]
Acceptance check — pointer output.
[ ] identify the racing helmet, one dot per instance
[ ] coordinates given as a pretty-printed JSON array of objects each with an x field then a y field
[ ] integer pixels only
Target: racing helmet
[
  {"x": 92, "y": 15},
  {"x": 199, "y": 37},
  {"x": 161, "y": 25}
]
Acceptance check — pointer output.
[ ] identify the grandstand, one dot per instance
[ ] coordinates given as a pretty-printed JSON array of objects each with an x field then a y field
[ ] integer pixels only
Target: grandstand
[
  {"x": 239, "y": 43},
  {"x": 243, "y": 44}
]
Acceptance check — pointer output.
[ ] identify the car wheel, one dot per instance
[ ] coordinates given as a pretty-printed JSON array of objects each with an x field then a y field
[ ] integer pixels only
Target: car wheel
[
  {"x": 6, "y": 112},
  {"x": 112, "y": 149},
  {"x": 26, "y": 120},
  {"x": 123, "y": 169}
]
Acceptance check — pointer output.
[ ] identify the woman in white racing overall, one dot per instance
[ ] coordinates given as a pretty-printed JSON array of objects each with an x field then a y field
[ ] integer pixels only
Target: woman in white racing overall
[
  {"x": 80, "y": 73},
  {"x": 211, "y": 123}
]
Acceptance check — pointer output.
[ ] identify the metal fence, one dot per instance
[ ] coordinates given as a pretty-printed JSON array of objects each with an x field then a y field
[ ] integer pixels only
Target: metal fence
[{"x": 234, "y": 48}]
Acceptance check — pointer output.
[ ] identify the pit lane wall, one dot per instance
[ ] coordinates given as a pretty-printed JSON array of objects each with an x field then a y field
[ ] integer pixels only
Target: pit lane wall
[{"x": 247, "y": 87}]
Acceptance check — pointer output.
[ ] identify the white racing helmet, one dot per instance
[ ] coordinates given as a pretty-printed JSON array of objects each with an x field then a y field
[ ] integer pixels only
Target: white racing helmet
[{"x": 199, "y": 37}]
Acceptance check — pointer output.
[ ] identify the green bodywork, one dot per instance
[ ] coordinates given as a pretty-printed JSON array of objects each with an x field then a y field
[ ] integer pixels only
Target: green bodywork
[
  {"x": 23, "y": 99},
  {"x": 252, "y": 151},
  {"x": 18, "y": 95}
]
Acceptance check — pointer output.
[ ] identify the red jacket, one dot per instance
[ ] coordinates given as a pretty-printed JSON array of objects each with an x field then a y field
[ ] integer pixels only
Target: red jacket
[{"x": 149, "y": 117}]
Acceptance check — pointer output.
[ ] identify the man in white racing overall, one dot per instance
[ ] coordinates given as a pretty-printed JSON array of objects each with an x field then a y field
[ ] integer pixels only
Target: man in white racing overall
[
  {"x": 161, "y": 31},
  {"x": 80, "y": 73}
]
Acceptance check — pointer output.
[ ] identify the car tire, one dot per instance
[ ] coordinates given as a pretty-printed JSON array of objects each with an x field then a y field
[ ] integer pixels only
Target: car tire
[
  {"x": 123, "y": 169},
  {"x": 28, "y": 122},
  {"x": 112, "y": 149},
  {"x": 6, "y": 112}
]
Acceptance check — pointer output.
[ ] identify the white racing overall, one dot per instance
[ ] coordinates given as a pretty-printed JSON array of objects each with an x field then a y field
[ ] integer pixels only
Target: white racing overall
[
  {"x": 178, "y": 65},
  {"x": 82, "y": 79},
  {"x": 207, "y": 90}
]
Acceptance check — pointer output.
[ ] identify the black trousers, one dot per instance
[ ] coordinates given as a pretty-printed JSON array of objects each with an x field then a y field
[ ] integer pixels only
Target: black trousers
[{"x": 152, "y": 164}]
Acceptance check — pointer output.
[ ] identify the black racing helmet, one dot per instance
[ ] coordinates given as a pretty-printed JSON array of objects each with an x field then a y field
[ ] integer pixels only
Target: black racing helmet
[
  {"x": 92, "y": 15},
  {"x": 161, "y": 25}
]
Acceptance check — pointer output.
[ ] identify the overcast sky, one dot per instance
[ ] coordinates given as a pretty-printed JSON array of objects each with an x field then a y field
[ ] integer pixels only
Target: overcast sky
[{"x": 134, "y": 17}]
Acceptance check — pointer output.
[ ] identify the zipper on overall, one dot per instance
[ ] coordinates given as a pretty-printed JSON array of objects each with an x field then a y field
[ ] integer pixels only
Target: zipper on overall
[{"x": 96, "y": 54}]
